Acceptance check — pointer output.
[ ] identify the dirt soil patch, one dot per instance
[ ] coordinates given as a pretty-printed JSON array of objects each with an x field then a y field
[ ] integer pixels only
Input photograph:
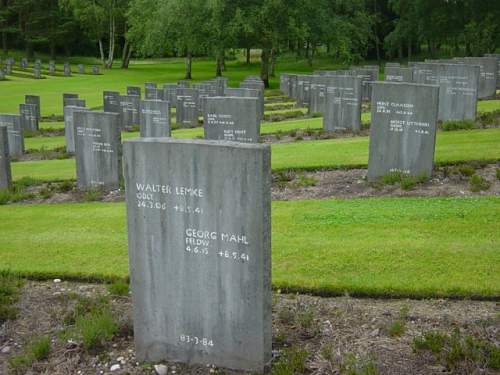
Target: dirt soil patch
[{"x": 330, "y": 333}]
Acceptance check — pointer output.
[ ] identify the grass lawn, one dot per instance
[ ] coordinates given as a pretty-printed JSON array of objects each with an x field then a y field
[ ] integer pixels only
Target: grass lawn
[
  {"x": 379, "y": 247},
  {"x": 334, "y": 153}
]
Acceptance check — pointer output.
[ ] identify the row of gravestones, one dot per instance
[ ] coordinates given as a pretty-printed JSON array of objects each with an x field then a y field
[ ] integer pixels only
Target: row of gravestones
[
  {"x": 338, "y": 95},
  {"x": 37, "y": 68}
]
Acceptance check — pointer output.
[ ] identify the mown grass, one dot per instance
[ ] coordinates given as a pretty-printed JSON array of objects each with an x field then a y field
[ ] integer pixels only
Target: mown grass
[{"x": 436, "y": 247}]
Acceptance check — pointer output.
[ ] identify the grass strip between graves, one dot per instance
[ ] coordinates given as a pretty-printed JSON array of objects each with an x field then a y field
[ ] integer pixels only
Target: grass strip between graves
[
  {"x": 451, "y": 147},
  {"x": 379, "y": 247}
]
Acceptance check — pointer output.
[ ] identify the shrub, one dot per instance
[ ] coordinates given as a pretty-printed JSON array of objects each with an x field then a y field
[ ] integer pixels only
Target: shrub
[
  {"x": 37, "y": 350},
  {"x": 432, "y": 341},
  {"x": 466, "y": 170},
  {"x": 397, "y": 328},
  {"x": 305, "y": 181},
  {"x": 478, "y": 183},
  {"x": 292, "y": 361},
  {"x": 118, "y": 288},
  {"x": 458, "y": 125},
  {"x": 355, "y": 366},
  {"x": 95, "y": 328}
]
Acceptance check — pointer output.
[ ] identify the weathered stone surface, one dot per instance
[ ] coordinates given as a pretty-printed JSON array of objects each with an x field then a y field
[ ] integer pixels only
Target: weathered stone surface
[
  {"x": 403, "y": 129},
  {"x": 285, "y": 84},
  {"x": 253, "y": 84},
  {"x": 67, "y": 96},
  {"x": 81, "y": 69},
  {"x": 98, "y": 150},
  {"x": 398, "y": 74},
  {"x": 232, "y": 119},
  {"x": 129, "y": 105},
  {"x": 111, "y": 101},
  {"x": 5, "y": 171},
  {"x": 303, "y": 90},
  {"x": 187, "y": 107},
  {"x": 37, "y": 73},
  {"x": 248, "y": 93},
  {"x": 183, "y": 84},
  {"x": 29, "y": 116},
  {"x": 199, "y": 250},
  {"x": 368, "y": 75},
  {"x": 14, "y": 133},
  {"x": 67, "y": 69},
  {"x": 170, "y": 94},
  {"x": 392, "y": 65},
  {"x": 132, "y": 90},
  {"x": 153, "y": 94},
  {"x": 155, "y": 118},
  {"x": 317, "y": 100},
  {"x": 150, "y": 85},
  {"x": 343, "y": 104},
  {"x": 497, "y": 56},
  {"x": 34, "y": 99},
  {"x": 69, "y": 128},
  {"x": 488, "y": 74},
  {"x": 75, "y": 102},
  {"x": 459, "y": 85}
]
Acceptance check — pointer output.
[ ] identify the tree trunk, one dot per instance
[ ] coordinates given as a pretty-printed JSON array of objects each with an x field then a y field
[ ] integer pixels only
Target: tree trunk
[
  {"x": 274, "y": 56},
  {"x": 375, "y": 32},
  {"x": 409, "y": 50},
  {"x": 101, "y": 51},
  {"x": 127, "y": 52},
  {"x": 112, "y": 32},
  {"x": 29, "y": 50},
  {"x": 400, "y": 50},
  {"x": 189, "y": 61},
  {"x": 219, "y": 65},
  {"x": 264, "y": 66},
  {"x": 249, "y": 56},
  {"x": 52, "y": 50}
]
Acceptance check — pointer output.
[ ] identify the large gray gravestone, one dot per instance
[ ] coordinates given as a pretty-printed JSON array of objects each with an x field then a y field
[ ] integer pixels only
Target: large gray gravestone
[
  {"x": 497, "y": 56},
  {"x": 317, "y": 100},
  {"x": 52, "y": 68},
  {"x": 488, "y": 74},
  {"x": 35, "y": 100},
  {"x": 153, "y": 93},
  {"x": 23, "y": 64},
  {"x": 155, "y": 118},
  {"x": 75, "y": 102},
  {"x": 133, "y": 90},
  {"x": 285, "y": 84},
  {"x": 98, "y": 150},
  {"x": 29, "y": 116},
  {"x": 150, "y": 85},
  {"x": 111, "y": 102},
  {"x": 187, "y": 107},
  {"x": 67, "y": 96},
  {"x": 398, "y": 74},
  {"x": 232, "y": 119},
  {"x": 81, "y": 69},
  {"x": 368, "y": 75},
  {"x": 459, "y": 84},
  {"x": 67, "y": 70},
  {"x": 15, "y": 134},
  {"x": 5, "y": 171},
  {"x": 200, "y": 251},
  {"x": 170, "y": 94},
  {"x": 257, "y": 84},
  {"x": 303, "y": 90},
  {"x": 292, "y": 86},
  {"x": 37, "y": 73},
  {"x": 8, "y": 68},
  {"x": 95, "y": 70},
  {"x": 403, "y": 129},
  {"x": 221, "y": 84},
  {"x": 129, "y": 105},
  {"x": 69, "y": 126},
  {"x": 248, "y": 93},
  {"x": 343, "y": 104}
]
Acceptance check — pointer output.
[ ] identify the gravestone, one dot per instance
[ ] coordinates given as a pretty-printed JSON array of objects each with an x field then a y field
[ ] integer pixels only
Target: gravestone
[
  {"x": 248, "y": 93},
  {"x": 29, "y": 116},
  {"x": 200, "y": 251},
  {"x": 187, "y": 107},
  {"x": 488, "y": 77},
  {"x": 285, "y": 84},
  {"x": 52, "y": 67},
  {"x": 150, "y": 85},
  {"x": 253, "y": 84},
  {"x": 95, "y": 70},
  {"x": 232, "y": 119},
  {"x": 303, "y": 90},
  {"x": 398, "y": 74},
  {"x": 132, "y": 90},
  {"x": 292, "y": 82},
  {"x": 221, "y": 83},
  {"x": 497, "y": 56},
  {"x": 14, "y": 133},
  {"x": 2, "y": 74},
  {"x": 205, "y": 90},
  {"x": 368, "y": 76},
  {"x": 35, "y": 100},
  {"x": 24, "y": 63},
  {"x": 153, "y": 94},
  {"x": 392, "y": 65},
  {"x": 459, "y": 84},
  {"x": 343, "y": 104},
  {"x": 38, "y": 62},
  {"x": 129, "y": 105},
  {"x": 183, "y": 84},
  {"x": 403, "y": 129},
  {"x": 69, "y": 126},
  {"x": 67, "y": 70},
  {"x": 155, "y": 118},
  {"x": 8, "y": 68},
  {"x": 98, "y": 150},
  {"x": 5, "y": 171},
  {"x": 37, "y": 74},
  {"x": 81, "y": 69},
  {"x": 71, "y": 102},
  {"x": 111, "y": 102},
  {"x": 67, "y": 96},
  {"x": 170, "y": 94}
]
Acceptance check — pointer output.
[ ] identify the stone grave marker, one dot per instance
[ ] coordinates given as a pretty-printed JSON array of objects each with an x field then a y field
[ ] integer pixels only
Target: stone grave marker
[
  {"x": 111, "y": 102},
  {"x": 343, "y": 104},
  {"x": 29, "y": 116},
  {"x": 459, "y": 85},
  {"x": 155, "y": 118},
  {"x": 232, "y": 119},
  {"x": 133, "y": 90},
  {"x": 35, "y": 100},
  {"x": 67, "y": 69},
  {"x": 170, "y": 93},
  {"x": 5, "y": 171},
  {"x": 52, "y": 67},
  {"x": 183, "y": 84},
  {"x": 95, "y": 70},
  {"x": 488, "y": 75},
  {"x": 71, "y": 102},
  {"x": 248, "y": 93},
  {"x": 153, "y": 94},
  {"x": 285, "y": 84},
  {"x": 98, "y": 150},
  {"x": 303, "y": 90},
  {"x": 129, "y": 105},
  {"x": 69, "y": 128},
  {"x": 403, "y": 129},
  {"x": 497, "y": 56},
  {"x": 14, "y": 133},
  {"x": 392, "y": 65},
  {"x": 150, "y": 85},
  {"x": 2, "y": 73},
  {"x": 187, "y": 107},
  {"x": 8, "y": 67},
  {"x": 368, "y": 75},
  {"x": 200, "y": 235},
  {"x": 67, "y": 96},
  {"x": 23, "y": 63},
  {"x": 37, "y": 74},
  {"x": 398, "y": 74},
  {"x": 81, "y": 69}
]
